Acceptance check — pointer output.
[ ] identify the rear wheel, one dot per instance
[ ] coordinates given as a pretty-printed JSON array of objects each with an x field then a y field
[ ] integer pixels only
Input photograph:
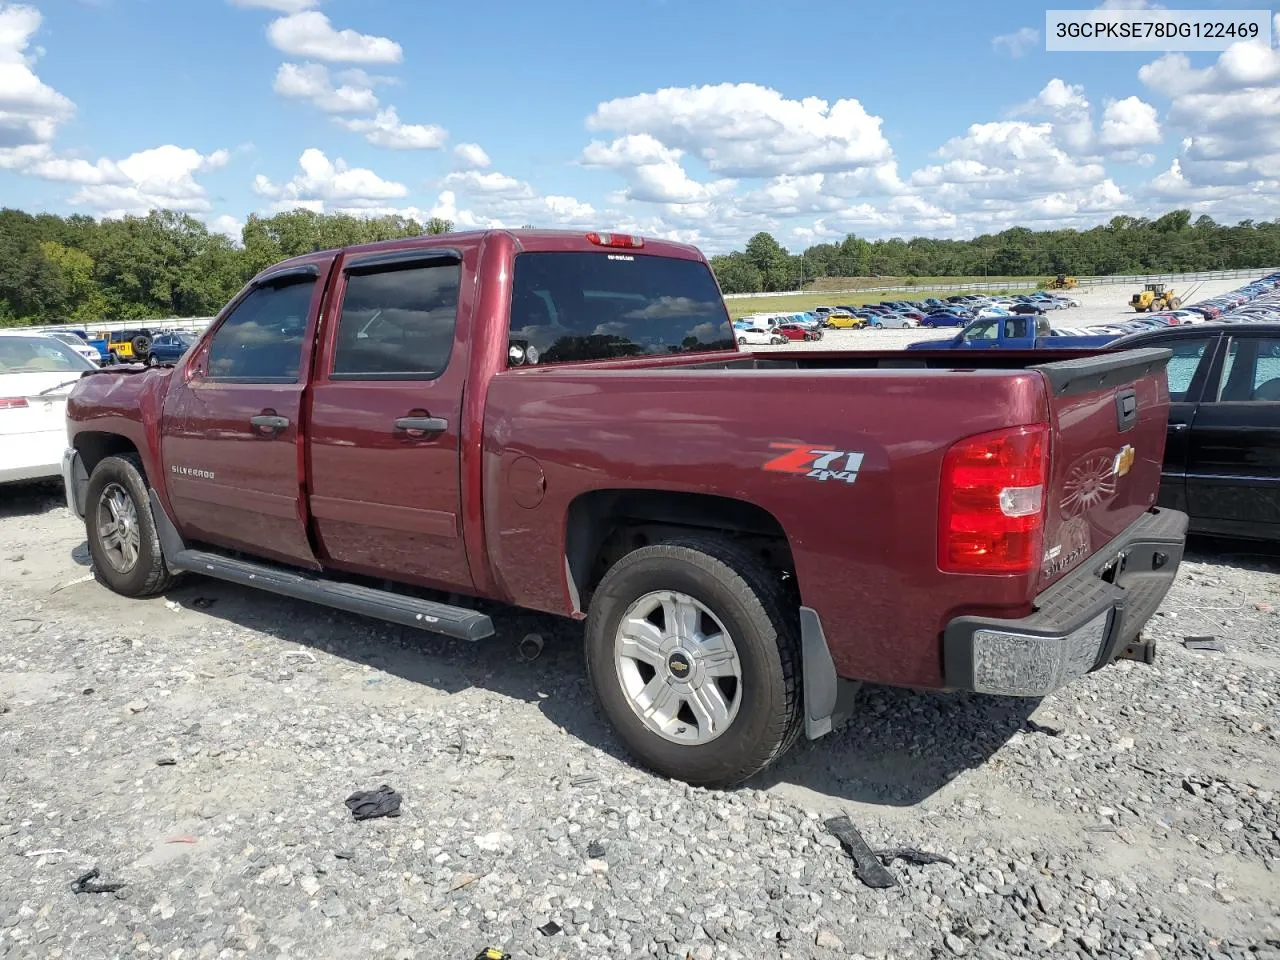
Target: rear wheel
[
  {"x": 878, "y": 325},
  {"x": 123, "y": 540},
  {"x": 694, "y": 654}
]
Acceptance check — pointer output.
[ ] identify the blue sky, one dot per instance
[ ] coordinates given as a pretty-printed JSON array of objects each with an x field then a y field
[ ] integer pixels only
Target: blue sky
[{"x": 705, "y": 121}]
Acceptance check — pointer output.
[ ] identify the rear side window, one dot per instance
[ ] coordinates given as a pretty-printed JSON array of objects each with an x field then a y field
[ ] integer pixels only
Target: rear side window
[
  {"x": 261, "y": 340},
  {"x": 397, "y": 322},
  {"x": 601, "y": 306},
  {"x": 1251, "y": 372}
]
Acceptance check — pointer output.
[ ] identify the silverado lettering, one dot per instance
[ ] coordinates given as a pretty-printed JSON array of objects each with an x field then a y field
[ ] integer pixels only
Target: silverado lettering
[{"x": 563, "y": 422}]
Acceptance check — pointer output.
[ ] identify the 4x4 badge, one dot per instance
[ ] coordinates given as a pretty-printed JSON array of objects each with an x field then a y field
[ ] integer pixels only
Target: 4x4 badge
[{"x": 815, "y": 462}]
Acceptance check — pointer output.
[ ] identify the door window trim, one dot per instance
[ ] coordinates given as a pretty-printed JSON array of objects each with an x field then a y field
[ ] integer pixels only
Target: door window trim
[
  {"x": 198, "y": 364},
  {"x": 388, "y": 262}
]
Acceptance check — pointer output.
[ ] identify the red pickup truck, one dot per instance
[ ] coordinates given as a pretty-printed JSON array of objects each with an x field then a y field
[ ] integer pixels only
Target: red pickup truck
[{"x": 561, "y": 422}]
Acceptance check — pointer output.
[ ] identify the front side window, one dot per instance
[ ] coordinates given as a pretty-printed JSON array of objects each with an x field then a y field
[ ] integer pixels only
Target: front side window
[
  {"x": 261, "y": 340},
  {"x": 983, "y": 331},
  {"x": 599, "y": 306},
  {"x": 398, "y": 322}
]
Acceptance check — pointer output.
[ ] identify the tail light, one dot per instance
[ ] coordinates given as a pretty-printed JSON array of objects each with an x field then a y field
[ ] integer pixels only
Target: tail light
[
  {"x": 991, "y": 503},
  {"x": 13, "y": 403},
  {"x": 615, "y": 240}
]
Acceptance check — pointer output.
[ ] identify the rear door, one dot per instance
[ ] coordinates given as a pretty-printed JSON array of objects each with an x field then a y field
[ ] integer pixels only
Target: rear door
[
  {"x": 1233, "y": 470},
  {"x": 385, "y": 421},
  {"x": 231, "y": 442}
]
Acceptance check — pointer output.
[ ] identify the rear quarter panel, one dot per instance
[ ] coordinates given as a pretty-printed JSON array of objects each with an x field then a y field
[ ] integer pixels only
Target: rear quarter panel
[{"x": 865, "y": 553}]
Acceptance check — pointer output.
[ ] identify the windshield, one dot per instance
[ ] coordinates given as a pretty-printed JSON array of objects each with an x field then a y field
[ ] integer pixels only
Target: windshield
[
  {"x": 601, "y": 306},
  {"x": 39, "y": 355}
]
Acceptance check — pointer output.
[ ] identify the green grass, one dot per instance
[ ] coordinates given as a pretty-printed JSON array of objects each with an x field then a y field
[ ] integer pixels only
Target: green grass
[{"x": 768, "y": 303}]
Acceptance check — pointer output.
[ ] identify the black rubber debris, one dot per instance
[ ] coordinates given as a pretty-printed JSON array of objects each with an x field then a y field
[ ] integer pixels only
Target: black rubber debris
[
  {"x": 595, "y": 850},
  {"x": 1041, "y": 728},
  {"x": 865, "y": 865},
  {"x": 912, "y": 855},
  {"x": 166, "y": 762},
  {"x": 89, "y": 883},
  {"x": 550, "y": 928},
  {"x": 1204, "y": 643},
  {"x": 369, "y": 804}
]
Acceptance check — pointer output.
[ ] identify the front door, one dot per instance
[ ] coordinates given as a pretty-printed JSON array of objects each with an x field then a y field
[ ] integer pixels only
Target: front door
[
  {"x": 231, "y": 445},
  {"x": 1233, "y": 473},
  {"x": 386, "y": 410}
]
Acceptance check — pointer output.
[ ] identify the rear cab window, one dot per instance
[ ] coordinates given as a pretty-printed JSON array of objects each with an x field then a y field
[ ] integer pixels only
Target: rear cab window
[{"x": 576, "y": 306}]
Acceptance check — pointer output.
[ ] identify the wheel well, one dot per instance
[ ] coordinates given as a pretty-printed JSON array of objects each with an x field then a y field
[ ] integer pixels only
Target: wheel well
[
  {"x": 605, "y": 525},
  {"x": 96, "y": 447}
]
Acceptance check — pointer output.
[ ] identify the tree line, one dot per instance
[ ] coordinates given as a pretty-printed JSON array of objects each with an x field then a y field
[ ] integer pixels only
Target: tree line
[
  {"x": 80, "y": 270},
  {"x": 1172, "y": 243}
]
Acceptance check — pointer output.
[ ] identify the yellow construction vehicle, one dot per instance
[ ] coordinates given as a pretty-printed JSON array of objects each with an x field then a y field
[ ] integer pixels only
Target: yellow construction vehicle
[
  {"x": 1060, "y": 282},
  {"x": 1154, "y": 297}
]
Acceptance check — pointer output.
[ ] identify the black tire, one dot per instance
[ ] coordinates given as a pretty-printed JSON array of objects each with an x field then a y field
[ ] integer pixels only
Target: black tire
[
  {"x": 149, "y": 575},
  {"x": 742, "y": 341},
  {"x": 753, "y": 606},
  {"x": 141, "y": 346},
  {"x": 878, "y": 326}
]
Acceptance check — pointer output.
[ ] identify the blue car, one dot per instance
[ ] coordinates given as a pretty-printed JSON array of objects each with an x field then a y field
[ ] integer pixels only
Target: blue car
[
  {"x": 168, "y": 347},
  {"x": 944, "y": 318}
]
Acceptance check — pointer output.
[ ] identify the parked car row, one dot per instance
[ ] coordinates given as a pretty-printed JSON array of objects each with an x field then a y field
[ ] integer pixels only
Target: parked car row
[{"x": 1256, "y": 301}]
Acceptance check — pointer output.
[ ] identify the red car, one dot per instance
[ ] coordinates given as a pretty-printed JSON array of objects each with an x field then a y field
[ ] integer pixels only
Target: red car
[
  {"x": 561, "y": 422},
  {"x": 793, "y": 331}
]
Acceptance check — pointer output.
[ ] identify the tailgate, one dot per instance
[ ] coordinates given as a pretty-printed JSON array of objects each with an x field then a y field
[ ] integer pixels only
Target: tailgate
[{"x": 1109, "y": 414}]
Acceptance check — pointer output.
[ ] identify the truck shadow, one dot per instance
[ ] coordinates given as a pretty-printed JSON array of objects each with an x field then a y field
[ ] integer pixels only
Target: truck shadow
[
  {"x": 31, "y": 498},
  {"x": 898, "y": 748}
]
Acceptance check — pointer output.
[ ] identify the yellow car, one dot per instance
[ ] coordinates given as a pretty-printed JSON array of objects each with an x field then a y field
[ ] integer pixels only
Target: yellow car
[{"x": 845, "y": 321}]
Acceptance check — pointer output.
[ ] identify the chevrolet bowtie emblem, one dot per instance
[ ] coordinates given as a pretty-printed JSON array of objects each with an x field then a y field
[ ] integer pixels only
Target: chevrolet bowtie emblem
[{"x": 1124, "y": 461}]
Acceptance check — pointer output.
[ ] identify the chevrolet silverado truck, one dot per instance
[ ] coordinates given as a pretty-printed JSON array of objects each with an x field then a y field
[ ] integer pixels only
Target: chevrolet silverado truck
[
  {"x": 562, "y": 422},
  {"x": 1013, "y": 333}
]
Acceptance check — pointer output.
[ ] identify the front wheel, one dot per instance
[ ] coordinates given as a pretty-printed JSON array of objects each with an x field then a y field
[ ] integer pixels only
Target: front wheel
[
  {"x": 123, "y": 541},
  {"x": 694, "y": 654},
  {"x": 742, "y": 341},
  {"x": 878, "y": 326}
]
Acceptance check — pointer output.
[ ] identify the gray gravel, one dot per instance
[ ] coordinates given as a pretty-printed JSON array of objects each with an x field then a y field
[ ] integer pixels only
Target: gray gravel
[{"x": 199, "y": 748}]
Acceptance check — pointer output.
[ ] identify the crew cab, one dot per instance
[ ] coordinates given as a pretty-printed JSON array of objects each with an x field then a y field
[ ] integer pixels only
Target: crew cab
[
  {"x": 1014, "y": 333},
  {"x": 562, "y": 422}
]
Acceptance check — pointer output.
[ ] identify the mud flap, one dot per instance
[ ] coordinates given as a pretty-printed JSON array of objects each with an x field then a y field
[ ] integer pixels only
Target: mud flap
[{"x": 828, "y": 699}]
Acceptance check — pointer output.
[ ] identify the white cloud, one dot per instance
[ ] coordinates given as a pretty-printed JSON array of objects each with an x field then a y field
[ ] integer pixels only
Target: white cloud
[
  {"x": 1017, "y": 44},
  {"x": 654, "y": 171},
  {"x": 228, "y": 226},
  {"x": 1130, "y": 122},
  {"x": 321, "y": 181},
  {"x": 477, "y": 200},
  {"x": 1229, "y": 113},
  {"x": 311, "y": 82},
  {"x": 472, "y": 156},
  {"x": 1129, "y": 5},
  {"x": 744, "y": 129},
  {"x": 310, "y": 35},
  {"x": 160, "y": 177},
  {"x": 30, "y": 109},
  {"x": 280, "y": 6},
  {"x": 386, "y": 130}
]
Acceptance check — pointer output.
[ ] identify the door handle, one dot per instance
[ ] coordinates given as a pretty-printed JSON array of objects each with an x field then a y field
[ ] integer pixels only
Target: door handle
[
  {"x": 418, "y": 426},
  {"x": 1178, "y": 427},
  {"x": 268, "y": 422}
]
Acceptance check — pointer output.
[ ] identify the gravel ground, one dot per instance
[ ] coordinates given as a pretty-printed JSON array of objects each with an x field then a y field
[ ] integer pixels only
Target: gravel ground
[
  {"x": 199, "y": 749},
  {"x": 1097, "y": 305}
]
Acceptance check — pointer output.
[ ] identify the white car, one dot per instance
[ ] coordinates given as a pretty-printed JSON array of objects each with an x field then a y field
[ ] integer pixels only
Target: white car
[
  {"x": 890, "y": 322},
  {"x": 758, "y": 337},
  {"x": 36, "y": 374},
  {"x": 76, "y": 344}
]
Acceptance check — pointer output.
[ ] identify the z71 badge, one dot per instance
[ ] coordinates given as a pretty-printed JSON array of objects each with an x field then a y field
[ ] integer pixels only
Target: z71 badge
[{"x": 815, "y": 462}]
